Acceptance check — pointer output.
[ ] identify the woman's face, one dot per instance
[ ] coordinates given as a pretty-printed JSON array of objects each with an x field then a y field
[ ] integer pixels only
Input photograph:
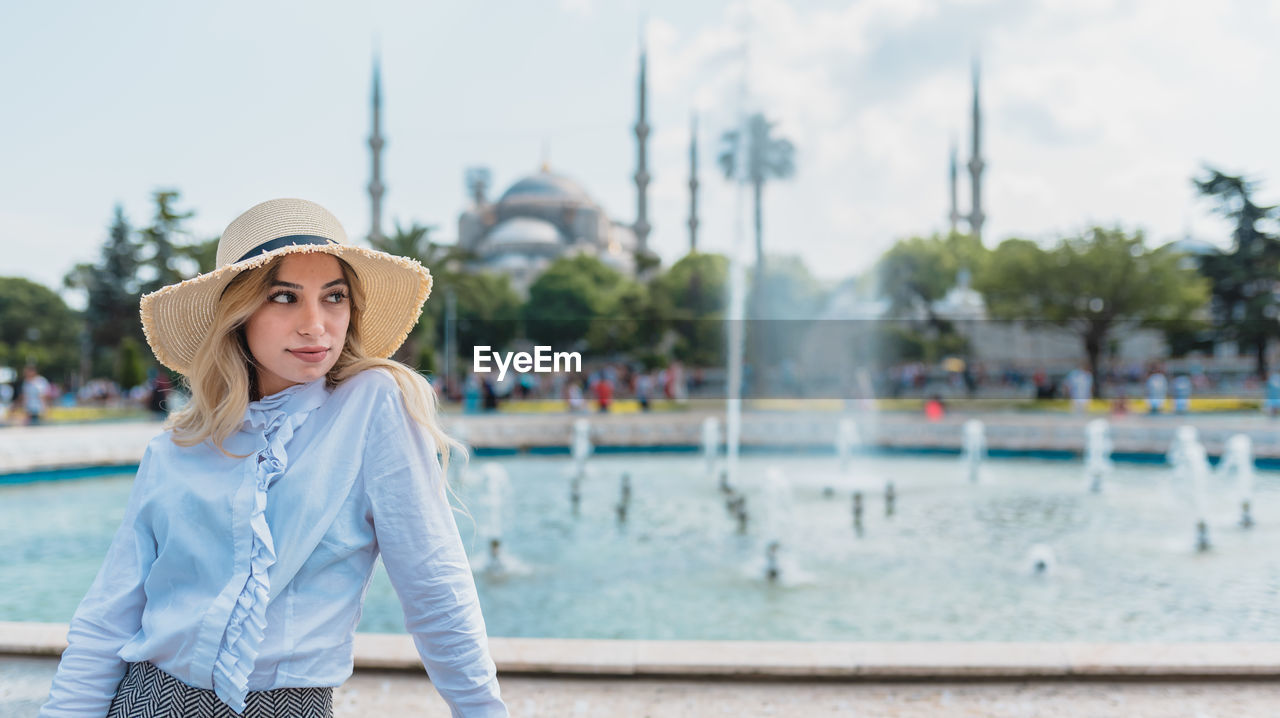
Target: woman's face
[{"x": 301, "y": 327}]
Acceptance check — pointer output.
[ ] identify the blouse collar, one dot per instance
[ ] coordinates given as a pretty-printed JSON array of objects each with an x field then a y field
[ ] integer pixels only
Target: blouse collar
[{"x": 296, "y": 399}]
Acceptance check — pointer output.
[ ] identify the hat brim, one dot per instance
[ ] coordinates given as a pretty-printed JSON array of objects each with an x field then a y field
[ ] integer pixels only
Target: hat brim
[{"x": 176, "y": 318}]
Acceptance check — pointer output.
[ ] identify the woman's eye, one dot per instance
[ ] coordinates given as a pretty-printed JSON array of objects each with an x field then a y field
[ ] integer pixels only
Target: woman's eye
[
  {"x": 340, "y": 297},
  {"x": 288, "y": 297}
]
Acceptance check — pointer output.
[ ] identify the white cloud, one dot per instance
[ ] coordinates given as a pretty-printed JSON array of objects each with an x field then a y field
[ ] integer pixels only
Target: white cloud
[{"x": 1092, "y": 112}]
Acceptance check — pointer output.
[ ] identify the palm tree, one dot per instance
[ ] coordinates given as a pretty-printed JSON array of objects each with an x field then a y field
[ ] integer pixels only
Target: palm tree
[
  {"x": 446, "y": 263},
  {"x": 765, "y": 157}
]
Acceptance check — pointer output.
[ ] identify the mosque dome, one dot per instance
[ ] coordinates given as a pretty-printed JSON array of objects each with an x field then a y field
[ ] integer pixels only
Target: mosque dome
[
  {"x": 544, "y": 187},
  {"x": 524, "y": 230}
]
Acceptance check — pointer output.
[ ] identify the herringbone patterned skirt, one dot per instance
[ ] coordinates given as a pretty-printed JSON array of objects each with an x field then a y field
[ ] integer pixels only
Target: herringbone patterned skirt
[{"x": 148, "y": 692}]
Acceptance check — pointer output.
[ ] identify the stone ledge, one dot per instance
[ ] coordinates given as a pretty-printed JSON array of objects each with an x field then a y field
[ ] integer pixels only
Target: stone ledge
[{"x": 794, "y": 659}]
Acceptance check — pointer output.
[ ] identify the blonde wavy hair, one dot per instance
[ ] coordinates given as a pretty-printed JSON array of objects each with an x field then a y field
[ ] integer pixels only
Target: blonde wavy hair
[{"x": 223, "y": 376}]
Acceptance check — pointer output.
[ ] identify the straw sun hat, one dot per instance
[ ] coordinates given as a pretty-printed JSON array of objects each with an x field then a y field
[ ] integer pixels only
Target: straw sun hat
[{"x": 176, "y": 318}]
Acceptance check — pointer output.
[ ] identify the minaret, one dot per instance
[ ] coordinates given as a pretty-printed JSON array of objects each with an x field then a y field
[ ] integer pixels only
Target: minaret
[
  {"x": 693, "y": 185},
  {"x": 955, "y": 211},
  {"x": 976, "y": 217},
  {"x": 375, "y": 143},
  {"x": 642, "y": 168}
]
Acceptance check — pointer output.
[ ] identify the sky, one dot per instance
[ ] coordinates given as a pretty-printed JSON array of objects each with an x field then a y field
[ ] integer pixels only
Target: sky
[{"x": 1094, "y": 112}]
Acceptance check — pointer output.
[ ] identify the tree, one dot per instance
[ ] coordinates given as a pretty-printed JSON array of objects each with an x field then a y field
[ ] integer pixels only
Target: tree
[
  {"x": 1094, "y": 285},
  {"x": 566, "y": 298},
  {"x": 37, "y": 326},
  {"x": 112, "y": 292},
  {"x": 1245, "y": 280},
  {"x": 444, "y": 262},
  {"x": 755, "y": 158},
  {"x": 918, "y": 271},
  {"x": 159, "y": 241},
  {"x": 204, "y": 255},
  {"x": 488, "y": 311},
  {"x": 690, "y": 299},
  {"x": 130, "y": 369}
]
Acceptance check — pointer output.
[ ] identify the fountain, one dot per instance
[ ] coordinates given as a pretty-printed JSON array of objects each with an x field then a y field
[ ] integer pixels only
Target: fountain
[
  {"x": 857, "y": 512},
  {"x": 580, "y": 449},
  {"x": 1097, "y": 453},
  {"x": 1184, "y": 436},
  {"x": 777, "y": 502},
  {"x": 1191, "y": 478},
  {"x": 847, "y": 439},
  {"x": 1238, "y": 461},
  {"x": 497, "y": 485},
  {"x": 1041, "y": 560},
  {"x": 772, "y": 570},
  {"x": 974, "y": 449},
  {"x": 624, "y": 500},
  {"x": 710, "y": 443}
]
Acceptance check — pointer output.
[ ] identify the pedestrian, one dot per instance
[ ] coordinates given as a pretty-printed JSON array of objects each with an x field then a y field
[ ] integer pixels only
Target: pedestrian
[
  {"x": 1272, "y": 402},
  {"x": 1181, "y": 394},
  {"x": 1080, "y": 386},
  {"x": 235, "y": 582},
  {"x": 35, "y": 390},
  {"x": 1157, "y": 388},
  {"x": 604, "y": 392}
]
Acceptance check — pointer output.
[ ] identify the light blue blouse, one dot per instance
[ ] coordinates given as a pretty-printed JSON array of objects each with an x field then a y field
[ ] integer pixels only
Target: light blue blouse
[{"x": 243, "y": 575}]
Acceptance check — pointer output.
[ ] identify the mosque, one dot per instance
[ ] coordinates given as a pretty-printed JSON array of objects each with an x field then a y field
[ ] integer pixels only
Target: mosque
[{"x": 540, "y": 217}]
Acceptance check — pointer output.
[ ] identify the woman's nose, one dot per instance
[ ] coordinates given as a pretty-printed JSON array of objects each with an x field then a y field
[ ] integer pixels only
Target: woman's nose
[{"x": 312, "y": 320}]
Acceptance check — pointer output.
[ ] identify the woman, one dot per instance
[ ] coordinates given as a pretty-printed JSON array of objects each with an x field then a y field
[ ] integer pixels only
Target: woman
[{"x": 235, "y": 583}]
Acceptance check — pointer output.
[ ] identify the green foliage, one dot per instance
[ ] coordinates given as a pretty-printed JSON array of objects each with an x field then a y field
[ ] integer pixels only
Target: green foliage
[
  {"x": 567, "y": 297},
  {"x": 1095, "y": 284},
  {"x": 1243, "y": 278},
  {"x": 765, "y": 157},
  {"x": 789, "y": 290},
  {"x": 204, "y": 255},
  {"x": 112, "y": 288},
  {"x": 130, "y": 368},
  {"x": 488, "y": 311},
  {"x": 753, "y": 155},
  {"x": 160, "y": 244},
  {"x": 37, "y": 326},
  {"x": 444, "y": 262},
  {"x": 689, "y": 299},
  {"x": 918, "y": 271}
]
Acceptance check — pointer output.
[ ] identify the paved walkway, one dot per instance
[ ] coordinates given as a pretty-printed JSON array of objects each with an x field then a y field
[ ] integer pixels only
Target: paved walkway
[{"x": 24, "y": 686}]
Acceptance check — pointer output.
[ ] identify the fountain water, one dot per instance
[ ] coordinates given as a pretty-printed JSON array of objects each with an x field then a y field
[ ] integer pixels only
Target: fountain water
[
  {"x": 1196, "y": 463},
  {"x": 1041, "y": 559},
  {"x": 1238, "y": 462},
  {"x": 974, "y": 449},
  {"x": 1184, "y": 436},
  {"x": 497, "y": 486},
  {"x": 1191, "y": 478},
  {"x": 710, "y": 443},
  {"x": 580, "y": 449},
  {"x": 857, "y": 512},
  {"x": 777, "y": 501},
  {"x": 847, "y": 439},
  {"x": 624, "y": 500},
  {"x": 1097, "y": 453}
]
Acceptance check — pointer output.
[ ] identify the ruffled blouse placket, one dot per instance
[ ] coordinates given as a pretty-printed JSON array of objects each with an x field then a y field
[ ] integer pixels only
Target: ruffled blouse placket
[{"x": 248, "y": 622}]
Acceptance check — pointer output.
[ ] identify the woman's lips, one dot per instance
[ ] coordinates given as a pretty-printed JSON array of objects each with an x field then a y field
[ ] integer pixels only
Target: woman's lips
[{"x": 311, "y": 357}]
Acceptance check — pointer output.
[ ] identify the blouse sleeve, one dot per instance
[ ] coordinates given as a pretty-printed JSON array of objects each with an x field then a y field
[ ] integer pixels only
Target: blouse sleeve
[
  {"x": 425, "y": 560},
  {"x": 109, "y": 615}
]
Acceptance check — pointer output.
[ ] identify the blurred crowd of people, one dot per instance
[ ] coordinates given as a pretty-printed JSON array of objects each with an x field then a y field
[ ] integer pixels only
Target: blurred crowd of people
[
  {"x": 582, "y": 392},
  {"x": 29, "y": 397}
]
